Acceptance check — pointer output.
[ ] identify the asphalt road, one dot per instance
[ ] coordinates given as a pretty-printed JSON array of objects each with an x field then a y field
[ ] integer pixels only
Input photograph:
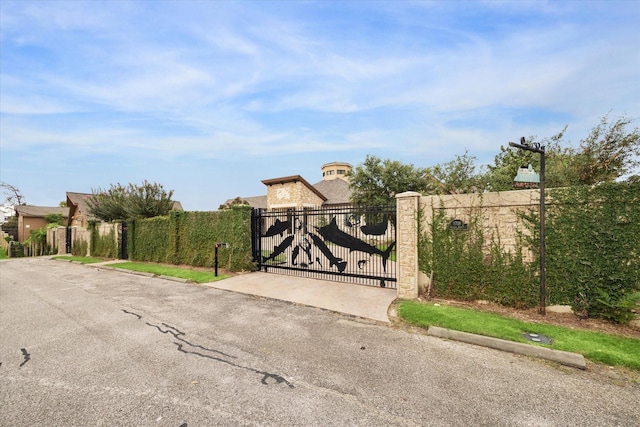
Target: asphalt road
[{"x": 81, "y": 346}]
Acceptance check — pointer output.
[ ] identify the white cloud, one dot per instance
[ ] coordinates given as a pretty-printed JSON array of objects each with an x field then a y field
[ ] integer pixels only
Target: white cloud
[{"x": 414, "y": 81}]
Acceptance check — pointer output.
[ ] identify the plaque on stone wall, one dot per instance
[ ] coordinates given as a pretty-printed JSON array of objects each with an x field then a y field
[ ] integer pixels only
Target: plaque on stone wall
[{"x": 458, "y": 225}]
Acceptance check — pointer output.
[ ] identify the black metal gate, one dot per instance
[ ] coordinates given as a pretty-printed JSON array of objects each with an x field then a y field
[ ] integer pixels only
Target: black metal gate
[
  {"x": 124, "y": 242},
  {"x": 68, "y": 244},
  {"x": 355, "y": 245}
]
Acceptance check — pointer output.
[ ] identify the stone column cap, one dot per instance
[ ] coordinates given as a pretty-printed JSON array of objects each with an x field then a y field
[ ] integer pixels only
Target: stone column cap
[{"x": 408, "y": 194}]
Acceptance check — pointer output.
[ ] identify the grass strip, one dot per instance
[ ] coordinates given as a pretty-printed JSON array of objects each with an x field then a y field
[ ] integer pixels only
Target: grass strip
[
  {"x": 81, "y": 259},
  {"x": 595, "y": 346},
  {"x": 163, "y": 270},
  {"x": 3, "y": 254}
]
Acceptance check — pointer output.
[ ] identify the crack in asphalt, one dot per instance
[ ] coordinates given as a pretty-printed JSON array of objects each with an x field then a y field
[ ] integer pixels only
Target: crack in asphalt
[
  {"x": 26, "y": 356},
  {"x": 178, "y": 335},
  {"x": 132, "y": 313}
]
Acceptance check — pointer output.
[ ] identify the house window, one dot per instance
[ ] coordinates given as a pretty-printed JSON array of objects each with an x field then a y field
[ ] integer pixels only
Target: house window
[{"x": 341, "y": 171}]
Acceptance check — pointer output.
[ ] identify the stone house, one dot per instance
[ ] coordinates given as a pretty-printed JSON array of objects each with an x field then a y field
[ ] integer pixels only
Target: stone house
[
  {"x": 79, "y": 215},
  {"x": 294, "y": 192}
]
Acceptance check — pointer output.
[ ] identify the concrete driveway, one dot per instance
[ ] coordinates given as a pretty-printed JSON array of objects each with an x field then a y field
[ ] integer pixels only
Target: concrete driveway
[
  {"x": 367, "y": 302},
  {"x": 83, "y": 346}
]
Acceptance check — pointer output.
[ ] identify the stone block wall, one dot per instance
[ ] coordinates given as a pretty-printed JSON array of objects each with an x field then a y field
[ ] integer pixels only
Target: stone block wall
[
  {"x": 80, "y": 234},
  {"x": 499, "y": 212},
  {"x": 291, "y": 195}
]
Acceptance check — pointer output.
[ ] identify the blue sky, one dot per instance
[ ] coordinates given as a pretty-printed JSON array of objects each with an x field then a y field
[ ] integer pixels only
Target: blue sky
[{"x": 208, "y": 98}]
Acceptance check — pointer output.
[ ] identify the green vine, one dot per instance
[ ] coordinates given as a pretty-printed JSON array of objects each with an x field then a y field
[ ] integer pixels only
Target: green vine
[
  {"x": 190, "y": 238},
  {"x": 592, "y": 250},
  {"x": 469, "y": 265}
]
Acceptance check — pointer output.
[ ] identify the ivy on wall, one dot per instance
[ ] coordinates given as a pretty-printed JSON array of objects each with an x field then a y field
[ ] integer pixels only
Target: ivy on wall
[
  {"x": 189, "y": 238},
  {"x": 79, "y": 247},
  {"x": 593, "y": 249},
  {"x": 148, "y": 240},
  {"x": 105, "y": 245},
  {"x": 469, "y": 265},
  {"x": 592, "y": 239}
]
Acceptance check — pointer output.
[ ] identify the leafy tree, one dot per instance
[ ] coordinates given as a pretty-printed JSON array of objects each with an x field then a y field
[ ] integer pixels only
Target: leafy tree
[
  {"x": 609, "y": 152},
  {"x": 148, "y": 200},
  {"x": 376, "y": 182},
  {"x": 238, "y": 201},
  {"x": 133, "y": 201},
  {"x": 457, "y": 176},
  {"x": 54, "y": 219},
  {"x": 109, "y": 205}
]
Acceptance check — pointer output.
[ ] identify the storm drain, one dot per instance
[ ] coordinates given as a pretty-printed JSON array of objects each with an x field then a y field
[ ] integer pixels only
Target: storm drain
[{"x": 537, "y": 338}]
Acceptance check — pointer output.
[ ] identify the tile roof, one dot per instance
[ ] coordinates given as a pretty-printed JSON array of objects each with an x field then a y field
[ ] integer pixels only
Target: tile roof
[
  {"x": 336, "y": 191},
  {"x": 80, "y": 200},
  {"x": 41, "y": 211}
]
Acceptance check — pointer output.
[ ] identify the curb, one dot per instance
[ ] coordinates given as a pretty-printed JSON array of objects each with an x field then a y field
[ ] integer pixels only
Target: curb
[
  {"x": 563, "y": 357},
  {"x": 138, "y": 273},
  {"x": 174, "y": 279},
  {"x": 123, "y": 270}
]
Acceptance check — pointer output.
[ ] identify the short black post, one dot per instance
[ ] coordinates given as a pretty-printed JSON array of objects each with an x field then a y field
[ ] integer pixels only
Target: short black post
[{"x": 215, "y": 261}]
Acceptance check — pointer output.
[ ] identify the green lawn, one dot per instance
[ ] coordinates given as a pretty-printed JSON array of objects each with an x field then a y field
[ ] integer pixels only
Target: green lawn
[
  {"x": 157, "y": 269},
  {"x": 163, "y": 270},
  {"x": 595, "y": 346},
  {"x": 81, "y": 259},
  {"x": 3, "y": 254}
]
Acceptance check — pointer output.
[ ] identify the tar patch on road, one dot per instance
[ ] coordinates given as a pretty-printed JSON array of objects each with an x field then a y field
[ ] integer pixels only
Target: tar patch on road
[{"x": 186, "y": 347}]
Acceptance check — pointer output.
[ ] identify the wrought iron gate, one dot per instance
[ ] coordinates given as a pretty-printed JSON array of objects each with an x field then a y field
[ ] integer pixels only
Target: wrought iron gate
[
  {"x": 348, "y": 244},
  {"x": 68, "y": 238},
  {"x": 124, "y": 242}
]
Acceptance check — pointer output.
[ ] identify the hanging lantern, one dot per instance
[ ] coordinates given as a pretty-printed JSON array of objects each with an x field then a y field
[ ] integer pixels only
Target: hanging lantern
[{"x": 526, "y": 178}]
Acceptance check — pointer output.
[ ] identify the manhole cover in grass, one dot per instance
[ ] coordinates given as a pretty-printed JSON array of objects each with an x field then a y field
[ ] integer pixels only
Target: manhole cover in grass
[{"x": 537, "y": 338}]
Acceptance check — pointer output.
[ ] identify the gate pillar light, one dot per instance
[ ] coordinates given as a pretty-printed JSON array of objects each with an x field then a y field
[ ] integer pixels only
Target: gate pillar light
[
  {"x": 526, "y": 178},
  {"x": 535, "y": 148}
]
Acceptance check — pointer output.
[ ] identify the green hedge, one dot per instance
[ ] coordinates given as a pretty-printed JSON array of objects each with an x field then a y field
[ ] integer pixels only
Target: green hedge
[
  {"x": 189, "y": 238},
  {"x": 147, "y": 239}
]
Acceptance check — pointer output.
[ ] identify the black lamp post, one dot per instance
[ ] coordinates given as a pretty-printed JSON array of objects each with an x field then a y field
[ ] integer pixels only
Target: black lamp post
[{"x": 537, "y": 148}]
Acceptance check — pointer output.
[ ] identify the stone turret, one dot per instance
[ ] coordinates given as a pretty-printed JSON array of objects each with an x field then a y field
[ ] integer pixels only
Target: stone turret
[{"x": 335, "y": 170}]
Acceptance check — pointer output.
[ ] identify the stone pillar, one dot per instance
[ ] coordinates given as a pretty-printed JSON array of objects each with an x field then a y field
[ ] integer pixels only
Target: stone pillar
[
  {"x": 407, "y": 244},
  {"x": 61, "y": 237}
]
